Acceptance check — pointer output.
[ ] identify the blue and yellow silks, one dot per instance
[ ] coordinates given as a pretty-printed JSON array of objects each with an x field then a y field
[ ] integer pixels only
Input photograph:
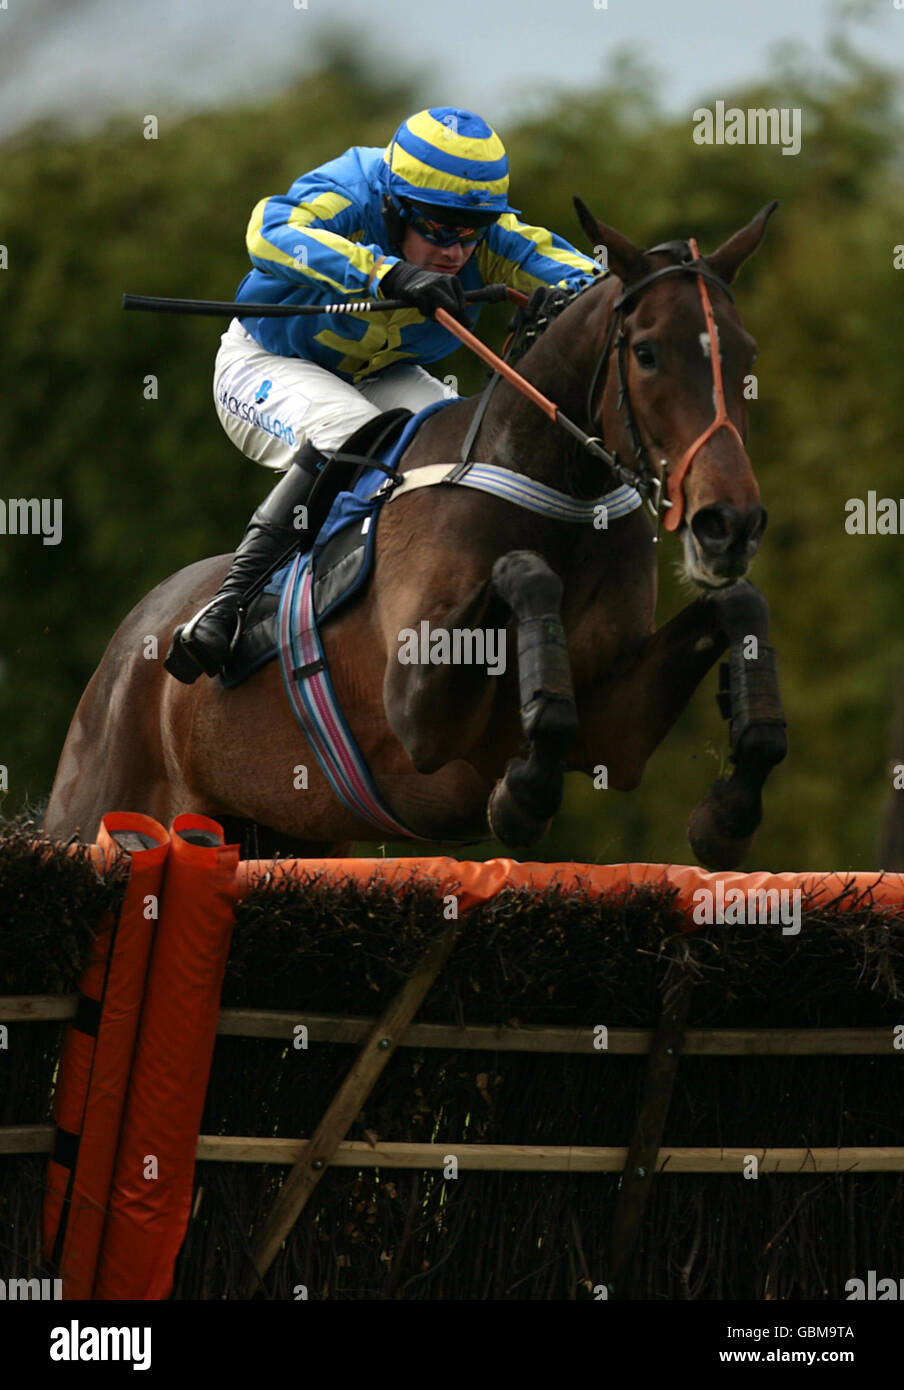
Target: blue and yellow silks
[{"x": 325, "y": 241}]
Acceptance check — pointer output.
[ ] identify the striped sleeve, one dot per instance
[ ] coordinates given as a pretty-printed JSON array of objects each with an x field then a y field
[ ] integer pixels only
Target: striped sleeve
[
  {"x": 313, "y": 241},
  {"x": 528, "y": 257}
]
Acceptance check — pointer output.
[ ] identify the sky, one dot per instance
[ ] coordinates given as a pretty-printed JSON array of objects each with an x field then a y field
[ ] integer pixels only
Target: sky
[{"x": 80, "y": 60}]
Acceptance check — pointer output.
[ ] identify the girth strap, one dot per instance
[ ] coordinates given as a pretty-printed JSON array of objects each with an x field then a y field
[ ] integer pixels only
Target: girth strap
[
  {"x": 314, "y": 704},
  {"x": 520, "y": 490}
]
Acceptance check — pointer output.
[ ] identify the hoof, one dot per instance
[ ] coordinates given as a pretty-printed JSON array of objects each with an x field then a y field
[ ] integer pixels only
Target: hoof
[
  {"x": 715, "y": 848},
  {"x": 509, "y": 823}
]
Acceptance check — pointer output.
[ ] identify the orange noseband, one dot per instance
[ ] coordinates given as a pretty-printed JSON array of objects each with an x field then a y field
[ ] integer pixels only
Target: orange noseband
[{"x": 675, "y": 481}]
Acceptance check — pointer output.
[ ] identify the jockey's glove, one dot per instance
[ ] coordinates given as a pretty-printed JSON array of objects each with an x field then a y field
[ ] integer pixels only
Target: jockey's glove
[{"x": 427, "y": 290}]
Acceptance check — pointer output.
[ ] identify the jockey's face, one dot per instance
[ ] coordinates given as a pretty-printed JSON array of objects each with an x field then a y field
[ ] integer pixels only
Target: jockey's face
[{"x": 448, "y": 259}]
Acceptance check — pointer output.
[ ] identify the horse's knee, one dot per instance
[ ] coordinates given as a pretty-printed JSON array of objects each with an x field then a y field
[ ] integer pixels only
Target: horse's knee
[
  {"x": 527, "y": 583},
  {"x": 422, "y": 749},
  {"x": 626, "y": 778},
  {"x": 624, "y": 773},
  {"x": 401, "y": 704},
  {"x": 742, "y": 611},
  {"x": 413, "y": 704}
]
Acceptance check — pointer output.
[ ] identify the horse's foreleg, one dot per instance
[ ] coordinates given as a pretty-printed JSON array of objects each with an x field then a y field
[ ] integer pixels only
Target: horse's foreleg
[
  {"x": 623, "y": 729},
  {"x": 527, "y": 797},
  {"x": 721, "y": 828}
]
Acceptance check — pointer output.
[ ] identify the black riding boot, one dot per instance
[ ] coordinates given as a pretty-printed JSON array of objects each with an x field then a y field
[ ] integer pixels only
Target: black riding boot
[{"x": 205, "y": 641}]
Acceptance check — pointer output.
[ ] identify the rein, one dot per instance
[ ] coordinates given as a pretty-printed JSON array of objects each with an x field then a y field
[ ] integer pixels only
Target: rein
[{"x": 527, "y": 389}]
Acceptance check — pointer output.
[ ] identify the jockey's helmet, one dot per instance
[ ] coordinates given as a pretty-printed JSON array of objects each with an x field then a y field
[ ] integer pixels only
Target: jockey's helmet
[{"x": 445, "y": 172}]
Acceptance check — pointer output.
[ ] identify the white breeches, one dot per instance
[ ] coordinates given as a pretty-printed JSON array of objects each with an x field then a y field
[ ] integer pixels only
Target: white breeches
[{"x": 270, "y": 406}]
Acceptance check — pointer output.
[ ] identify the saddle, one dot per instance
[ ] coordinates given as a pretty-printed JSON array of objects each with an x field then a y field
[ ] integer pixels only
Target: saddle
[{"x": 342, "y": 552}]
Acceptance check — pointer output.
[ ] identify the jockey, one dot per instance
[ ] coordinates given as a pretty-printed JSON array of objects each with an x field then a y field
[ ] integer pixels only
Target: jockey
[{"x": 422, "y": 221}]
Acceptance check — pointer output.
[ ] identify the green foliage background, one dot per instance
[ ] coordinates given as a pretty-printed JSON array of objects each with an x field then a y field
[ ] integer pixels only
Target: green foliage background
[{"x": 149, "y": 486}]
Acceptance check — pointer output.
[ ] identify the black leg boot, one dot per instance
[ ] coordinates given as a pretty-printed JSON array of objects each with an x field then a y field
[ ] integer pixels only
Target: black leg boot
[
  {"x": 284, "y": 517},
  {"x": 312, "y": 483}
]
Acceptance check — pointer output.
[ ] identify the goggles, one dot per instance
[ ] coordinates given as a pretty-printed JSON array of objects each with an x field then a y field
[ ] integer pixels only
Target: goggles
[{"x": 442, "y": 233}]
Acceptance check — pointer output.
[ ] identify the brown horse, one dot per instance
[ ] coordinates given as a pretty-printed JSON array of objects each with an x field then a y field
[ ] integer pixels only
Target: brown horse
[{"x": 453, "y": 748}]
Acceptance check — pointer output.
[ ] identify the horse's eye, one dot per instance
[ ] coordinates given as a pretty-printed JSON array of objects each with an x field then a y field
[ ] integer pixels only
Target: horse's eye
[{"x": 645, "y": 354}]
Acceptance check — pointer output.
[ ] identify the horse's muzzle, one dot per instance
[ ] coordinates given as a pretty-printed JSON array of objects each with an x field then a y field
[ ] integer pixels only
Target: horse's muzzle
[{"x": 724, "y": 541}]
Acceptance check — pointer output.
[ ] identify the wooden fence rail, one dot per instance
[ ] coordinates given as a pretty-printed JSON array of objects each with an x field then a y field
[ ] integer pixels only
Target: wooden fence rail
[{"x": 376, "y": 1038}]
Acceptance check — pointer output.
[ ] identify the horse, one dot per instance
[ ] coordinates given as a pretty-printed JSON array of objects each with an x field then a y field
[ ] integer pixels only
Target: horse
[{"x": 454, "y": 750}]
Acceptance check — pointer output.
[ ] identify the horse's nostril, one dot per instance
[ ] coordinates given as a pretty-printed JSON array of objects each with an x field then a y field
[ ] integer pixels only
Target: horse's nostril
[
  {"x": 715, "y": 527},
  {"x": 720, "y": 528}
]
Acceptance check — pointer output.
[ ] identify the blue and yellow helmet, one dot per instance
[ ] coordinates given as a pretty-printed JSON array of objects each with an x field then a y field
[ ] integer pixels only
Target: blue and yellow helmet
[{"x": 448, "y": 158}]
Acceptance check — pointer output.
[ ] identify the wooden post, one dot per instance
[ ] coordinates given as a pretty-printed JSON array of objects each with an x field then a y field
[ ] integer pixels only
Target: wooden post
[
  {"x": 347, "y": 1102},
  {"x": 642, "y": 1155}
]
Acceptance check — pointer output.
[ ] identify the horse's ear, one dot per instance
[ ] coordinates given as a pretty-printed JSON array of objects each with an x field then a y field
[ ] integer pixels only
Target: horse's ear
[
  {"x": 732, "y": 253},
  {"x": 623, "y": 258}
]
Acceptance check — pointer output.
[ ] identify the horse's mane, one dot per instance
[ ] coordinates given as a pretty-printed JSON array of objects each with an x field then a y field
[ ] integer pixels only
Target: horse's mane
[{"x": 531, "y": 320}]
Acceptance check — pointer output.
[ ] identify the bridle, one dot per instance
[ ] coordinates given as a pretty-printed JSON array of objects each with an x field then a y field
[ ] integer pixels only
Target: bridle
[
  {"x": 664, "y": 492},
  {"x": 668, "y": 499}
]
